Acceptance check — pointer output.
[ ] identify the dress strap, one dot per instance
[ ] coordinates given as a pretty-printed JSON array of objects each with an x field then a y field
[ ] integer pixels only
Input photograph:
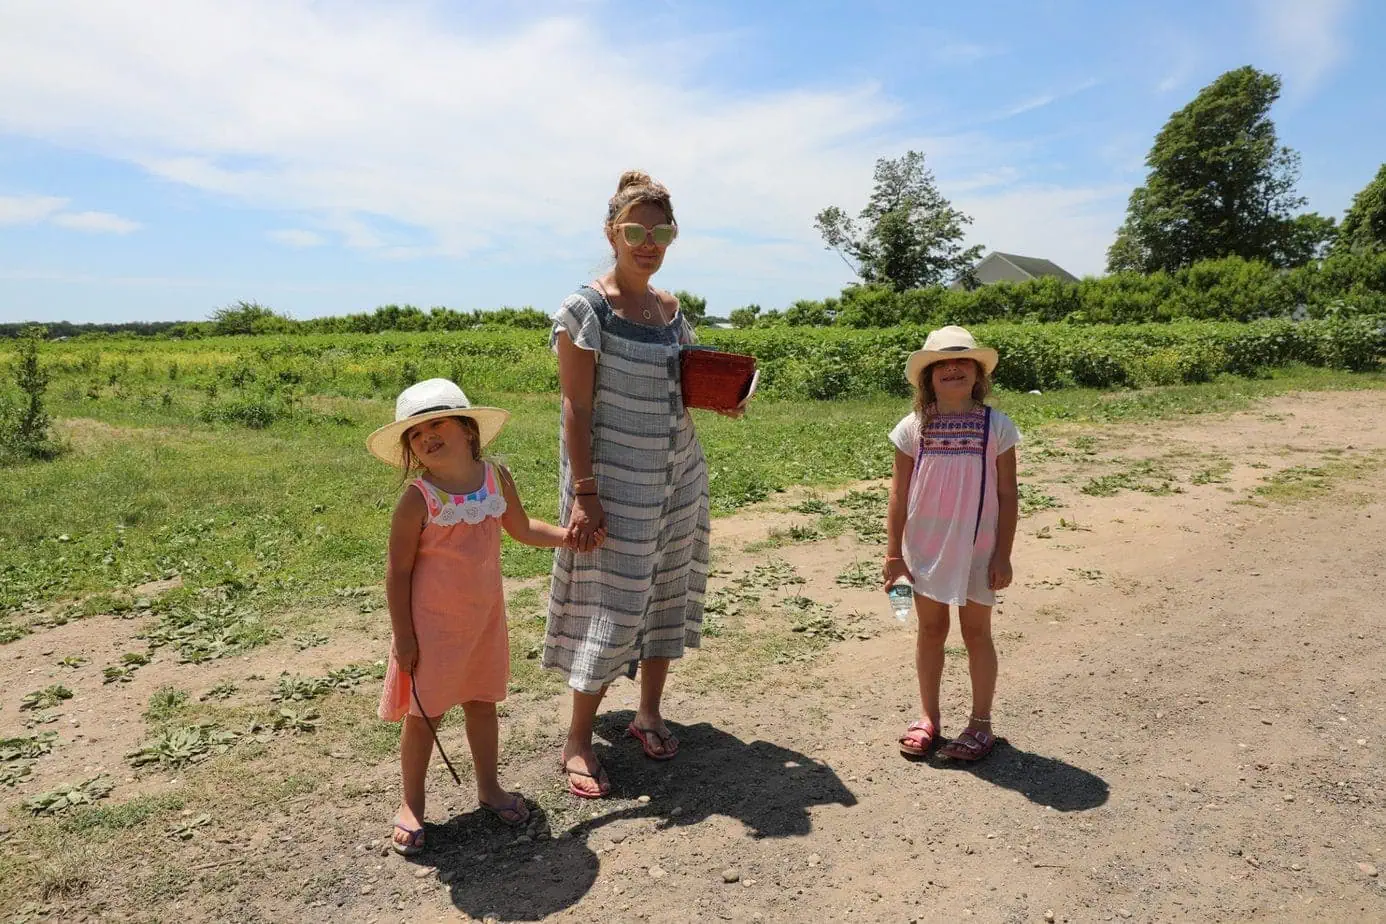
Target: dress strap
[{"x": 982, "y": 495}]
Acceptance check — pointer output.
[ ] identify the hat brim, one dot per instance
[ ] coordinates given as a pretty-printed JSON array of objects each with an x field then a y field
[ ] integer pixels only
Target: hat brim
[
  {"x": 384, "y": 443},
  {"x": 921, "y": 359}
]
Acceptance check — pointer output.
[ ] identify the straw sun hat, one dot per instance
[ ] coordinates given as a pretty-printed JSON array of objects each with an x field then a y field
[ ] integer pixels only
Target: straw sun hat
[
  {"x": 428, "y": 400},
  {"x": 951, "y": 342}
]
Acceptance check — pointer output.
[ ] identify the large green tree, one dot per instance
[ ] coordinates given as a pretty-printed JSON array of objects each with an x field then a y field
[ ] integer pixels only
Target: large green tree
[
  {"x": 908, "y": 235},
  {"x": 1364, "y": 225},
  {"x": 1220, "y": 184}
]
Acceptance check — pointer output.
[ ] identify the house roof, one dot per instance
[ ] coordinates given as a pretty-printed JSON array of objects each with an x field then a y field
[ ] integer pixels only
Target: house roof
[{"x": 1035, "y": 266}]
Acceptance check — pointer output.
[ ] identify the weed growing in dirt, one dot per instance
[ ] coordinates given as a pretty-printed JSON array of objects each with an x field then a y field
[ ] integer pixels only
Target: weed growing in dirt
[
  {"x": 860, "y": 574},
  {"x": 57, "y": 801},
  {"x": 178, "y": 747},
  {"x": 46, "y": 698},
  {"x": 223, "y": 690},
  {"x": 124, "y": 672},
  {"x": 28, "y": 747},
  {"x": 216, "y": 626},
  {"x": 72, "y": 661},
  {"x": 184, "y": 831},
  {"x": 299, "y": 689},
  {"x": 1033, "y": 500},
  {"x": 1145, "y": 476},
  {"x": 310, "y": 640},
  {"x": 165, "y": 703},
  {"x": 297, "y": 721}
]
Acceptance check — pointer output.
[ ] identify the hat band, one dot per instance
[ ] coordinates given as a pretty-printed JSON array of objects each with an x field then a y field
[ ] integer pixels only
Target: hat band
[
  {"x": 953, "y": 349},
  {"x": 438, "y": 407}
]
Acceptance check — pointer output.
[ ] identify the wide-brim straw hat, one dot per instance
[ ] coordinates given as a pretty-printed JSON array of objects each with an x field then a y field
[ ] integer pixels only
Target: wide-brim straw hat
[
  {"x": 951, "y": 342},
  {"x": 428, "y": 400}
]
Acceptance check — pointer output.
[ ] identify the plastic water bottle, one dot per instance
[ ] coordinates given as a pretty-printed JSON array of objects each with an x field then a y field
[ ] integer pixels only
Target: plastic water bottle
[{"x": 901, "y": 595}]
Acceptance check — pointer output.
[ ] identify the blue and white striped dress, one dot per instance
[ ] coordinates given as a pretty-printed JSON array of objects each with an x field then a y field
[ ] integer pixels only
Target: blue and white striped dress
[{"x": 641, "y": 594}]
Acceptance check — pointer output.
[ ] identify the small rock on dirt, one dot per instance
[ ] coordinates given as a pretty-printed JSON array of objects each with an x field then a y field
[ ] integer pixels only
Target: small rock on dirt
[
  {"x": 814, "y": 859},
  {"x": 618, "y": 836},
  {"x": 731, "y": 875},
  {"x": 658, "y": 872},
  {"x": 1049, "y": 916},
  {"x": 367, "y": 890},
  {"x": 423, "y": 873},
  {"x": 643, "y": 800},
  {"x": 1368, "y": 870}
]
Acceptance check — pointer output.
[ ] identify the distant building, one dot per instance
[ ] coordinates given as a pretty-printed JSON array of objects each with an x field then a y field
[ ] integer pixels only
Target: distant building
[{"x": 1009, "y": 267}]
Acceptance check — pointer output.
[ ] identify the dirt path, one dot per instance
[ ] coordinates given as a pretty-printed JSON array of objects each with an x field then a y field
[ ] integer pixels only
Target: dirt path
[{"x": 1191, "y": 689}]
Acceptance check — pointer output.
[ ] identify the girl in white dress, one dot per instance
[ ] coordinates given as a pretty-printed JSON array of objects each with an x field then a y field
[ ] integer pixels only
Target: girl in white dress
[{"x": 951, "y": 524}]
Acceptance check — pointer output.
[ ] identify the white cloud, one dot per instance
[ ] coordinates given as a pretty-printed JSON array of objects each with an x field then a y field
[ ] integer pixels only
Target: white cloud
[
  {"x": 28, "y": 210},
  {"x": 1046, "y": 99},
  {"x": 33, "y": 210},
  {"x": 406, "y": 130},
  {"x": 296, "y": 237},
  {"x": 95, "y": 222},
  {"x": 1304, "y": 39}
]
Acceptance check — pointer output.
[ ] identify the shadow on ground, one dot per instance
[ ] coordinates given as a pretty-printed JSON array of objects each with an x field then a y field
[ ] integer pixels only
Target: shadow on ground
[
  {"x": 767, "y": 787},
  {"x": 1043, "y": 780}
]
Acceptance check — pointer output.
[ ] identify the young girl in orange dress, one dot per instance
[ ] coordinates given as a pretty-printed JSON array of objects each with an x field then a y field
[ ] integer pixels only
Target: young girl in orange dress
[{"x": 443, "y": 585}]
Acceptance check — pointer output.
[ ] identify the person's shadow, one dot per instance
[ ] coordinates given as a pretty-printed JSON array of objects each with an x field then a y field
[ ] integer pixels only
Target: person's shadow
[
  {"x": 1043, "y": 780},
  {"x": 767, "y": 787}
]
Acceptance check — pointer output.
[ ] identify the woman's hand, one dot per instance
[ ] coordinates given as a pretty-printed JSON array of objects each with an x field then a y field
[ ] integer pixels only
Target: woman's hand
[
  {"x": 999, "y": 572},
  {"x": 586, "y": 523},
  {"x": 407, "y": 653},
  {"x": 893, "y": 570}
]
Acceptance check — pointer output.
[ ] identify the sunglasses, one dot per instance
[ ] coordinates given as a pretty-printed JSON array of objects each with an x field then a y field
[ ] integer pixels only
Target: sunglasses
[{"x": 637, "y": 234}]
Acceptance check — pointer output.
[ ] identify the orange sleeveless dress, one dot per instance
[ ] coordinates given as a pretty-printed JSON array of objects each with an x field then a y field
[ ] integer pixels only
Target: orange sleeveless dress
[{"x": 458, "y": 606}]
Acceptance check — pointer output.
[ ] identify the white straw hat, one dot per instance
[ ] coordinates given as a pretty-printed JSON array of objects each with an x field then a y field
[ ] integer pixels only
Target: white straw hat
[
  {"x": 951, "y": 342},
  {"x": 428, "y": 400}
]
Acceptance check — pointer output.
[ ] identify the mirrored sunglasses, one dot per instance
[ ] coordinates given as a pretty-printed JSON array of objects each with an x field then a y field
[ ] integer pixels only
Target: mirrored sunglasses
[{"x": 637, "y": 234}]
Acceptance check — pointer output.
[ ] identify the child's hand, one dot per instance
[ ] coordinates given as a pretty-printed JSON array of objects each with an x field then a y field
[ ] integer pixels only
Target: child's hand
[
  {"x": 895, "y": 569},
  {"x": 598, "y": 537},
  {"x": 999, "y": 573},
  {"x": 407, "y": 653}
]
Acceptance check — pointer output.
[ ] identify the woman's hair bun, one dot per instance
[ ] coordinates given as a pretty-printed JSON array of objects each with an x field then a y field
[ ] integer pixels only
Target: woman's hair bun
[{"x": 634, "y": 178}]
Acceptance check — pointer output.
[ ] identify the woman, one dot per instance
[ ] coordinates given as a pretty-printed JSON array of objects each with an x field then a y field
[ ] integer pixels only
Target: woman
[{"x": 631, "y": 463}]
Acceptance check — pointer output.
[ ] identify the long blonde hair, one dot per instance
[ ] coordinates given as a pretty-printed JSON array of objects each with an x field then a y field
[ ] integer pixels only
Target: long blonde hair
[{"x": 926, "y": 401}]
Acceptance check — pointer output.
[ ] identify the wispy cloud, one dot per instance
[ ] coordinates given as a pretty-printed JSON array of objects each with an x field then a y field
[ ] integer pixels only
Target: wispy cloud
[
  {"x": 296, "y": 237},
  {"x": 1305, "y": 39},
  {"x": 95, "y": 222},
  {"x": 32, "y": 210},
  {"x": 1046, "y": 99},
  {"x": 958, "y": 52},
  {"x": 28, "y": 210}
]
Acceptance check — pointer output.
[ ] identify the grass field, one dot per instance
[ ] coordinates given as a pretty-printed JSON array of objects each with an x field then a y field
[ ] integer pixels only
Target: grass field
[{"x": 276, "y": 534}]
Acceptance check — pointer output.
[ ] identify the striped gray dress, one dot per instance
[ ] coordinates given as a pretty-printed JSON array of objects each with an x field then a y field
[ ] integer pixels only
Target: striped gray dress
[{"x": 641, "y": 594}]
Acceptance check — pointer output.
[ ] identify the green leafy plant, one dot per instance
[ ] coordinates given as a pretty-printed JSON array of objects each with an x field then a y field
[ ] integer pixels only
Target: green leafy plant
[
  {"x": 300, "y": 689},
  {"x": 178, "y": 747},
  {"x": 860, "y": 574},
  {"x": 223, "y": 690},
  {"x": 28, "y": 747},
  {"x": 297, "y": 721},
  {"x": 164, "y": 702},
  {"x": 46, "y": 698},
  {"x": 57, "y": 801},
  {"x": 184, "y": 830}
]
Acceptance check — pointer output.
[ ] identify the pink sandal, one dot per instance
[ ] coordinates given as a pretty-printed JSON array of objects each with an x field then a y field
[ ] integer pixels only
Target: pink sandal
[
  {"x": 918, "y": 738},
  {"x": 972, "y": 745}
]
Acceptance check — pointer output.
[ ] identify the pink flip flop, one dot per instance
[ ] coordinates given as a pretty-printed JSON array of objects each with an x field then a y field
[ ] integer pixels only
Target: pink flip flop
[{"x": 643, "y": 735}]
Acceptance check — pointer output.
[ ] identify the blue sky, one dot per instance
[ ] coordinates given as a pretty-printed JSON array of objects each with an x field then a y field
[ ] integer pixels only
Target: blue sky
[{"x": 159, "y": 160}]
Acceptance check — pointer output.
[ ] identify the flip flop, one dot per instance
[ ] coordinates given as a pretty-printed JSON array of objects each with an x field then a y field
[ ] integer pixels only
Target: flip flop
[
  {"x": 603, "y": 784},
  {"x": 918, "y": 738},
  {"x": 411, "y": 847},
  {"x": 515, "y": 812},
  {"x": 643, "y": 735}
]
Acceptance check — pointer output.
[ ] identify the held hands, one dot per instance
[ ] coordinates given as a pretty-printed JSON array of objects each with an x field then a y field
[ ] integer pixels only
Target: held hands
[
  {"x": 999, "y": 573},
  {"x": 893, "y": 570},
  {"x": 586, "y": 524}
]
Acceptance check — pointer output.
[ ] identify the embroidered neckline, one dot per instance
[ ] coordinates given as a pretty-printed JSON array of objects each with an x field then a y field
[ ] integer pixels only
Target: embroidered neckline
[{"x": 447, "y": 509}]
